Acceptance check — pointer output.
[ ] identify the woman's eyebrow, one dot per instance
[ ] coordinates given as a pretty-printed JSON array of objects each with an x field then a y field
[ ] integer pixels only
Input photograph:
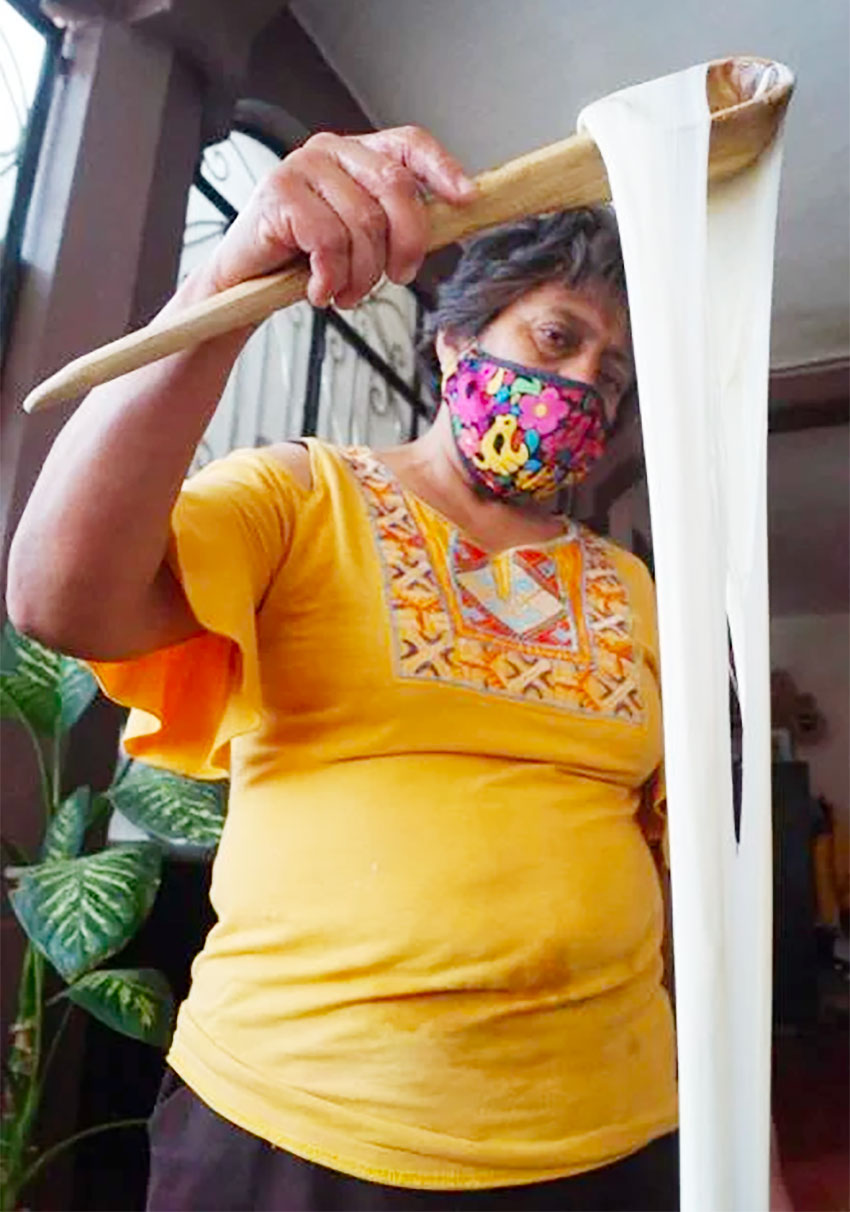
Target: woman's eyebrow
[
  {"x": 563, "y": 311},
  {"x": 574, "y": 314}
]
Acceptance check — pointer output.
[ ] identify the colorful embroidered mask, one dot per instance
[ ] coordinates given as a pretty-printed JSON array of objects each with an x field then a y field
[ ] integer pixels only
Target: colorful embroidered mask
[{"x": 522, "y": 433}]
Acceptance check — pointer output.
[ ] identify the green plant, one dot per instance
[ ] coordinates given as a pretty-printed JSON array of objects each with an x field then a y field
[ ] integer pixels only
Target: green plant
[{"x": 80, "y": 903}]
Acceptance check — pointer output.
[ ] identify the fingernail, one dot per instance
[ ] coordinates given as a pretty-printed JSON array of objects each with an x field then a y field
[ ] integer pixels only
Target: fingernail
[{"x": 465, "y": 185}]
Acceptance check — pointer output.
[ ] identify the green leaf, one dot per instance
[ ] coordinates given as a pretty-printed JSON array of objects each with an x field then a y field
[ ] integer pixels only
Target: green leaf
[
  {"x": 48, "y": 689},
  {"x": 77, "y": 689},
  {"x": 79, "y": 911},
  {"x": 135, "y": 1001},
  {"x": 37, "y": 702},
  {"x": 67, "y": 830},
  {"x": 9, "y": 1136},
  {"x": 171, "y": 808}
]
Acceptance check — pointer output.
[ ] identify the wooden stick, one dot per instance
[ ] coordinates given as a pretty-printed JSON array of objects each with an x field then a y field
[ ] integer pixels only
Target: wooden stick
[
  {"x": 570, "y": 173},
  {"x": 561, "y": 176}
]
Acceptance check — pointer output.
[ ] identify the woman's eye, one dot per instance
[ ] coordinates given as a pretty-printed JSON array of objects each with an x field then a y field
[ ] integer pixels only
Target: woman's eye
[{"x": 555, "y": 338}]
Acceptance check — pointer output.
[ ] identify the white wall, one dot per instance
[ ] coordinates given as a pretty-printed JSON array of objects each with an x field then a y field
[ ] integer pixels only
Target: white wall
[{"x": 815, "y": 649}]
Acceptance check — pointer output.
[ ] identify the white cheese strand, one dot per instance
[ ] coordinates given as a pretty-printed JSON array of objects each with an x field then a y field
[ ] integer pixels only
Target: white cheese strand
[{"x": 699, "y": 277}]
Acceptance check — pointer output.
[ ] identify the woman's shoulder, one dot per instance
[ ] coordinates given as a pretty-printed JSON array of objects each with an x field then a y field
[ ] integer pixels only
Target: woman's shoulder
[
  {"x": 294, "y": 459},
  {"x": 299, "y": 463},
  {"x": 312, "y": 462}
]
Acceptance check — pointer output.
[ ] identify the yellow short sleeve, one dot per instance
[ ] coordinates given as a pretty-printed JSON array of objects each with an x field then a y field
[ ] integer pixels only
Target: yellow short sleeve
[
  {"x": 652, "y": 815},
  {"x": 231, "y": 529}
]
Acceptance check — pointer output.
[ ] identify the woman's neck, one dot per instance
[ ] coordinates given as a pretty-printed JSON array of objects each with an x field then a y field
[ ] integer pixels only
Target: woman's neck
[{"x": 431, "y": 468}]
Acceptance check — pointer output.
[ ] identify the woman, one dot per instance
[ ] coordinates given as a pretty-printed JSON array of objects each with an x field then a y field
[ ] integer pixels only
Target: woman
[{"x": 435, "y": 980}]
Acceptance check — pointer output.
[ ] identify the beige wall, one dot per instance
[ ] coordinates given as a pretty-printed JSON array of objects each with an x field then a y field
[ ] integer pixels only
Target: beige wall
[
  {"x": 815, "y": 649},
  {"x": 813, "y": 646}
]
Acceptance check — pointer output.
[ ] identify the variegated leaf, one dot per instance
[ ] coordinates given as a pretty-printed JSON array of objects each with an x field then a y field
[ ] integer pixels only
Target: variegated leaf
[
  {"x": 77, "y": 689},
  {"x": 67, "y": 830},
  {"x": 171, "y": 808},
  {"x": 79, "y": 911},
  {"x": 37, "y": 700},
  {"x": 135, "y": 1001},
  {"x": 50, "y": 690}
]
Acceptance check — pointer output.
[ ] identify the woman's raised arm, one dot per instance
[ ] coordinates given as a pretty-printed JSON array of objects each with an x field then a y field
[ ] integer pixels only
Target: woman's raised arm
[{"x": 87, "y": 571}]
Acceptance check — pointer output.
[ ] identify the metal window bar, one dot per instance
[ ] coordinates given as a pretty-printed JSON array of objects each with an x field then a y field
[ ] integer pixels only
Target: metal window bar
[
  {"x": 377, "y": 363},
  {"x": 10, "y": 268},
  {"x": 410, "y": 392},
  {"x": 228, "y": 211},
  {"x": 316, "y": 357},
  {"x": 417, "y": 379}
]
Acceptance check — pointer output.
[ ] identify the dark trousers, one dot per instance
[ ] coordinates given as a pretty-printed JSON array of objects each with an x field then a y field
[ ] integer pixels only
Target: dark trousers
[{"x": 201, "y": 1162}]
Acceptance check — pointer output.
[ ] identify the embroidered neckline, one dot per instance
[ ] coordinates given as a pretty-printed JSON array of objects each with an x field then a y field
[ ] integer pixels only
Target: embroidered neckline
[
  {"x": 454, "y": 533},
  {"x": 553, "y": 628}
]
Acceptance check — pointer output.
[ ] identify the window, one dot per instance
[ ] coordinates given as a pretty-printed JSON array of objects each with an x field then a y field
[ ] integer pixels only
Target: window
[{"x": 29, "y": 52}]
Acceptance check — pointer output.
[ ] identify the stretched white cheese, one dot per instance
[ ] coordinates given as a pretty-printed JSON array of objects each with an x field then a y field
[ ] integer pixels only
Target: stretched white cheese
[{"x": 699, "y": 272}]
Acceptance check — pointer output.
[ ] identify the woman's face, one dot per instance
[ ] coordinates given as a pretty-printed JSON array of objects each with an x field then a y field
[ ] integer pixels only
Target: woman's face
[{"x": 578, "y": 334}]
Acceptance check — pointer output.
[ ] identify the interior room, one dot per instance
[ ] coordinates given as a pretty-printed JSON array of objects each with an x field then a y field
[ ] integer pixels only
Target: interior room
[{"x": 133, "y": 136}]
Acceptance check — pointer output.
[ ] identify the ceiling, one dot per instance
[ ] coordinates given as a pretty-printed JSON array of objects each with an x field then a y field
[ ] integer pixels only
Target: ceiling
[{"x": 495, "y": 78}]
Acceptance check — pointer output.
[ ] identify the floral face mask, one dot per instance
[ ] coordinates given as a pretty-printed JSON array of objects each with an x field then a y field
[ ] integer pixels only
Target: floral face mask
[{"x": 522, "y": 434}]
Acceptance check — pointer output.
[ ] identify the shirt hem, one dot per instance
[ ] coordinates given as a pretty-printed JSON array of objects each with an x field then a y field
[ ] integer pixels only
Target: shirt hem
[{"x": 217, "y": 1092}]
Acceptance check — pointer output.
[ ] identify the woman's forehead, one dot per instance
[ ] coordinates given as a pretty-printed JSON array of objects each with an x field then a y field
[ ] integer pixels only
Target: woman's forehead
[{"x": 596, "y": 296}]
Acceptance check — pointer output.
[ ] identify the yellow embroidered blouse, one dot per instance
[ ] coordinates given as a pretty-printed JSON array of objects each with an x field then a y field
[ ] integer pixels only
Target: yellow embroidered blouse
[{"x": 436, "y": 962}]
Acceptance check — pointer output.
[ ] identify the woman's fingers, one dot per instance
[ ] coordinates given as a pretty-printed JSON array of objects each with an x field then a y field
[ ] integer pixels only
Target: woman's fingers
[
  {"x": 285, "y": 216},
  {"x": 365, "y": 219},
  {"x": 353, "y": 204},
  {"x": 312, "y": 226},
  {"x": 426, "y": 158},
  {"x": 402, "y": 231},
  {"x": 396, "y": 167},
  {"x": 393, "y": 167}
]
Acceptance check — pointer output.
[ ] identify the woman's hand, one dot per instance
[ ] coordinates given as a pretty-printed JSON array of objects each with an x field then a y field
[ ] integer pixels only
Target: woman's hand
[{"x": 353, "y": 204}]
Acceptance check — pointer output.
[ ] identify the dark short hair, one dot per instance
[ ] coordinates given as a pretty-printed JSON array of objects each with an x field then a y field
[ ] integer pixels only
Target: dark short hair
[{"x": 580, "y": 248}]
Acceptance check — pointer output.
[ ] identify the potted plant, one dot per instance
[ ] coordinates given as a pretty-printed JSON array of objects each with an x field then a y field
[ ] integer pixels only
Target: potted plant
[{"x": 80, "y": 902}]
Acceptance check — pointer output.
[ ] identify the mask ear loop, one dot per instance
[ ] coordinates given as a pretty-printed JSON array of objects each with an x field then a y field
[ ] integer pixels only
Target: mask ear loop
[{"x": 454, "y": 359}]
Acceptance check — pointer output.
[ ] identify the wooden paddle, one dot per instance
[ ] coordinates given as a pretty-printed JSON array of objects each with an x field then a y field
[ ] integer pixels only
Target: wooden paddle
[{"x": 747, "y": 98}]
